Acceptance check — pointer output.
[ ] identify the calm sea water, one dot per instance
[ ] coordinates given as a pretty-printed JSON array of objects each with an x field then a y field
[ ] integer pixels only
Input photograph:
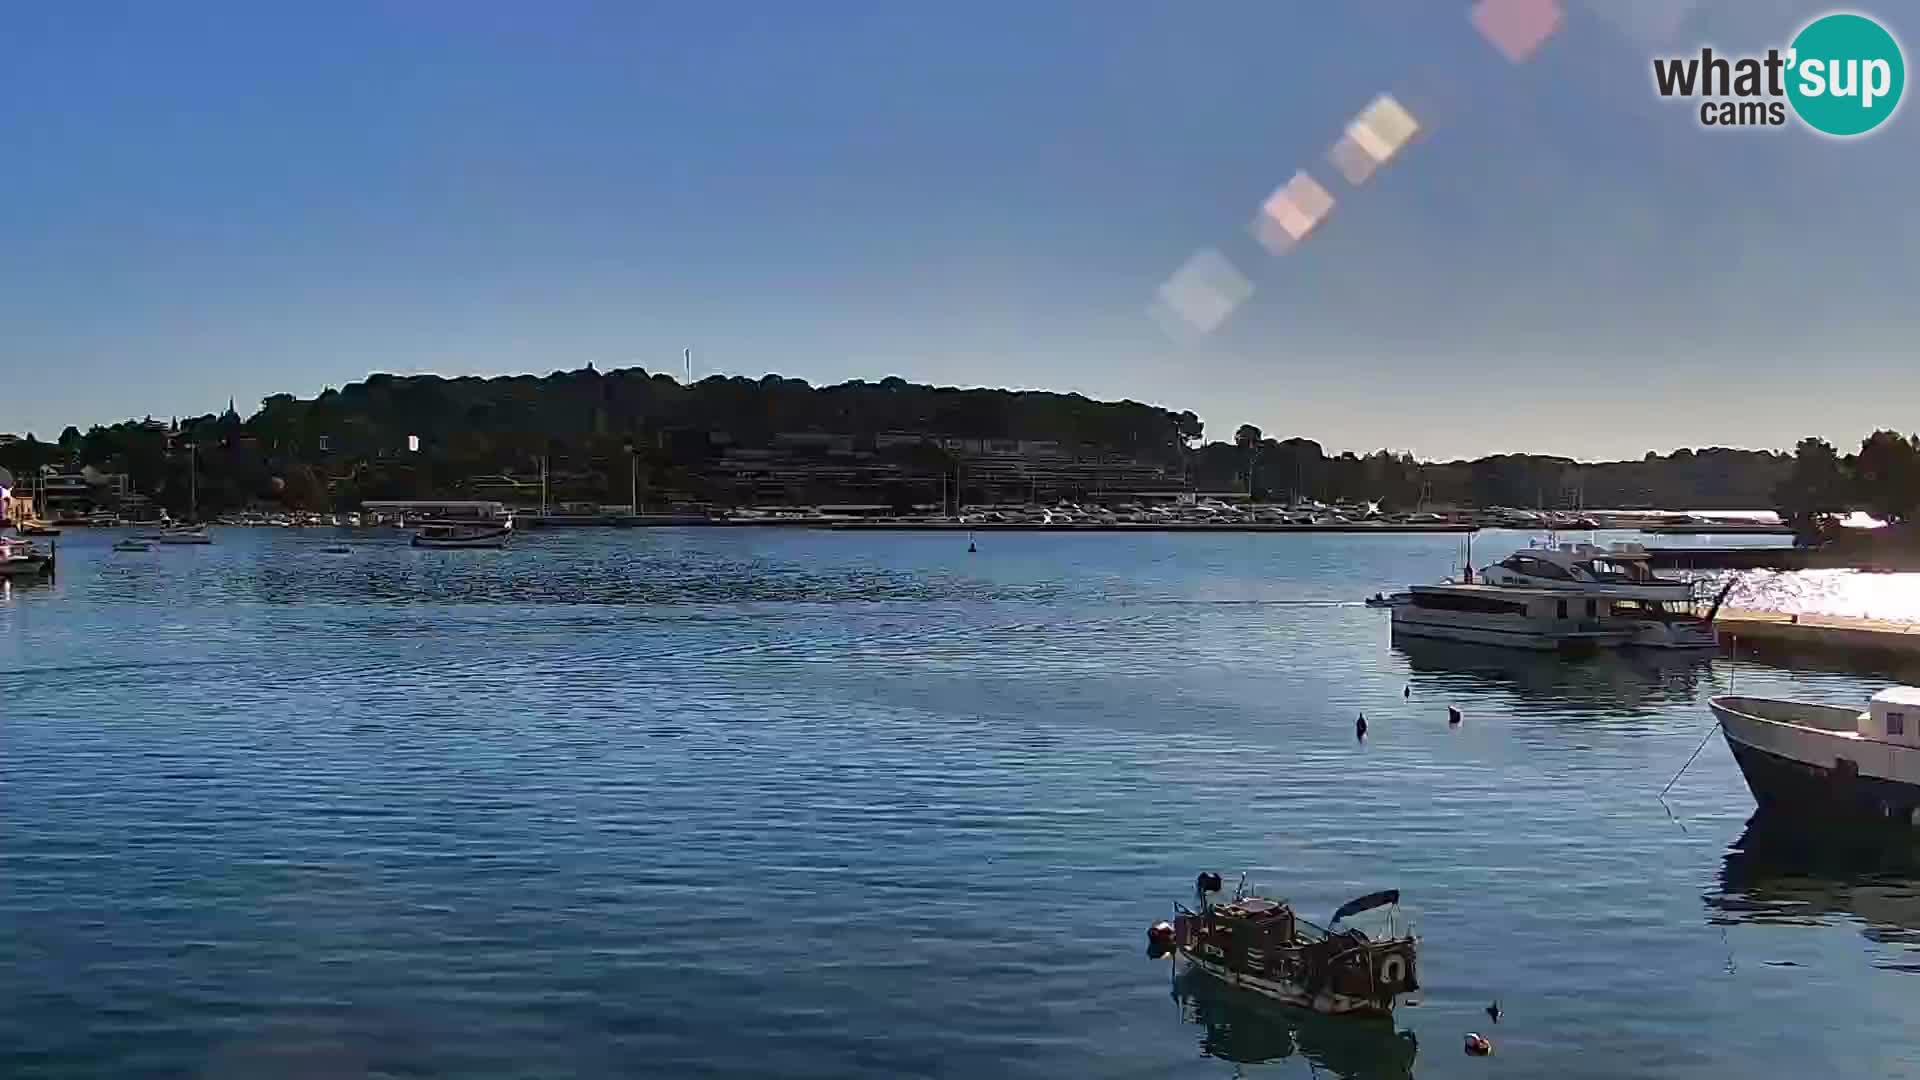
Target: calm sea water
[{"x": 785, "y": 803}]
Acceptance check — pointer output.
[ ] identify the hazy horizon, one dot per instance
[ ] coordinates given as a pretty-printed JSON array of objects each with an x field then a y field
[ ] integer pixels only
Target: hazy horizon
[{"x": 226, "y": 201}]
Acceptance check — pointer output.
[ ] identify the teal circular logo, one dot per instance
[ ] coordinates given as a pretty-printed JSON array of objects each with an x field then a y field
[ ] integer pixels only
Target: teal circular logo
[{"x": 1846, "y": 74}]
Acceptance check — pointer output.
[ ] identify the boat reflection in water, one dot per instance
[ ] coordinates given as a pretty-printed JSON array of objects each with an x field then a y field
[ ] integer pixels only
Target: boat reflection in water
[
  {"x": 1606, "y": 684},
  {"x": 1785, "y": 873},
  {"x": 1248, "y": 1029}
]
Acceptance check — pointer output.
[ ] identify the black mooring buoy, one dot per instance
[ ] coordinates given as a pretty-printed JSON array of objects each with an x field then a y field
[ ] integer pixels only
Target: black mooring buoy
[
  {"x": 1407, "y": 692},
  {"x": 970, "y": 548},
  {"x": 1453, "y": 716},
  {"x": 1493, "y": 1011},
  {"x": 1360, "y": 727}
]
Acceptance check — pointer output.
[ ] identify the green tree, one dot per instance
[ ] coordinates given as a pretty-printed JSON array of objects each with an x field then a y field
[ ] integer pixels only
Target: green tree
[
  {"x": 1817, "y": 487},
  {"x": 1887, "y": 474}
]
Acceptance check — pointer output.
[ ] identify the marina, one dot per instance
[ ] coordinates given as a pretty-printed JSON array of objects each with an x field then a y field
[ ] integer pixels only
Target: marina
[
  {"x": 639, "y": 541},
  {"x": 919, "y": 718}
]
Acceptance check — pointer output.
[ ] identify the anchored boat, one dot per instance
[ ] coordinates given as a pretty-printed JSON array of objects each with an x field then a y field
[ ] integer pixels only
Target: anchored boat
[
  {"x": 1261, "y": 945},
  {"x": 463, "y": 534},
  {"x": 1569, "y": 597},
  {"x": 1826, "y": 760},
  {"x": 185, "y": 534}
]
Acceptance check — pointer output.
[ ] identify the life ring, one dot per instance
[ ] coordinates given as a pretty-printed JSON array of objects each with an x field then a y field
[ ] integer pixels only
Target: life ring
[{"x": 1392, "y": 970}]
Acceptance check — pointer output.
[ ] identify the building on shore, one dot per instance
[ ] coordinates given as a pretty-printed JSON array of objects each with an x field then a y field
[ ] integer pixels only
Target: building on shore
[
  {"x": 389, "y": 509},
  {"x": 78, "y": 492}
]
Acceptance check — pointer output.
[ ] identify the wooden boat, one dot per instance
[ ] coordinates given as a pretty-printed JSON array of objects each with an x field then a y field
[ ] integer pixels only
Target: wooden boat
[
  {"x": 1260, "y": 944},
  {"x": 37, "y": 528},
  {"x": 1814, "y": 761},
  {"x": 462, "y": 534}
]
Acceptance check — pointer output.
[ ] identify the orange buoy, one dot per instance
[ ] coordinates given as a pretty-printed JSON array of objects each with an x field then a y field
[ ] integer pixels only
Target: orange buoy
[{"x": 1478, "y": 1045}]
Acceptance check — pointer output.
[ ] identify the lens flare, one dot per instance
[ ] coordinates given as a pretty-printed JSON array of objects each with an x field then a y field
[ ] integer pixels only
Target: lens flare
[
  {"x": 1291, "y": 212},
  {"x": 1517, "y": 27},
  {"x": 1205, "y": 290},
  {"x": 1373, "y": 138}
]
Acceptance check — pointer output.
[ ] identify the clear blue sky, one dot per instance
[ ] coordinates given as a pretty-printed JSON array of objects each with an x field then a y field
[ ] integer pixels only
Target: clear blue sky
[{"x": 204, "y": 200}]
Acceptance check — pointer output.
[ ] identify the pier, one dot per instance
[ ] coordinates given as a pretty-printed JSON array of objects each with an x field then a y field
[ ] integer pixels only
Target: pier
[
  {"x": 1772, "y": 631},
  {"x": 1741, "y": 558}
]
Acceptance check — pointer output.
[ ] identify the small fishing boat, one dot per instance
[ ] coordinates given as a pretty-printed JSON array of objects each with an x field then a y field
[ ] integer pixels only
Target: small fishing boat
[
  {"x": 462, "y": 534},
  {"x": 37, "y": 528},
  {"x": 1383, "y": 600},
  {"x": 335, "y": 549},
  {"x": 186, "y": 534},
  {"x": 1259, "y": 944},
  {"x": 133, "y": 543},
  {"x": 1811, "y": 760}
]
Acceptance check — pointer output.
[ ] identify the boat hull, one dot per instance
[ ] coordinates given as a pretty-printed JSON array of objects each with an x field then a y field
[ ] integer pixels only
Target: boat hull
[
  {"x": 1291, "y": 993},
  {"x": 1657, "y": 635},
  {"x": 25, "y": 568},
  {"x": 499, "y": 541},
  {"x": 1409, "y": 622},
  {"x": 1806, "y": 772}
]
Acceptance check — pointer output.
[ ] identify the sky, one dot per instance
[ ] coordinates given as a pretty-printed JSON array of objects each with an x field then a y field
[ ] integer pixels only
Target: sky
[{"x": 213, "y": 200}]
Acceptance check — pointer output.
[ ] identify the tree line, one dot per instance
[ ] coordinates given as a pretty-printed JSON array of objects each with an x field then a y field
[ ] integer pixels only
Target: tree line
[
  {"x": 1882, "y": 478},
  {"x": 610, "y": 432}
]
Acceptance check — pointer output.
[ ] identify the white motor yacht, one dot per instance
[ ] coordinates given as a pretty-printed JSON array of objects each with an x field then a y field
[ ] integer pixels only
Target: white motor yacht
[
  {"x": 1511, "y": 616},
  {"x": 1564, "y": 596},
  {"x": 1666, "y": 613},
  {"x": 1826, "y": 760}
]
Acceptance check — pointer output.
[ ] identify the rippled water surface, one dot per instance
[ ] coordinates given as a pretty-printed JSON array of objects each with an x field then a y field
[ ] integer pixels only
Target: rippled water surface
[{"x": 771, "y": 802}]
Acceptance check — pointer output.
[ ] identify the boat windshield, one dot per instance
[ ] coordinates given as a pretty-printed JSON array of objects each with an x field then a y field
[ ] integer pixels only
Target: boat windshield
[{"x": 1608, "y": 570}]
